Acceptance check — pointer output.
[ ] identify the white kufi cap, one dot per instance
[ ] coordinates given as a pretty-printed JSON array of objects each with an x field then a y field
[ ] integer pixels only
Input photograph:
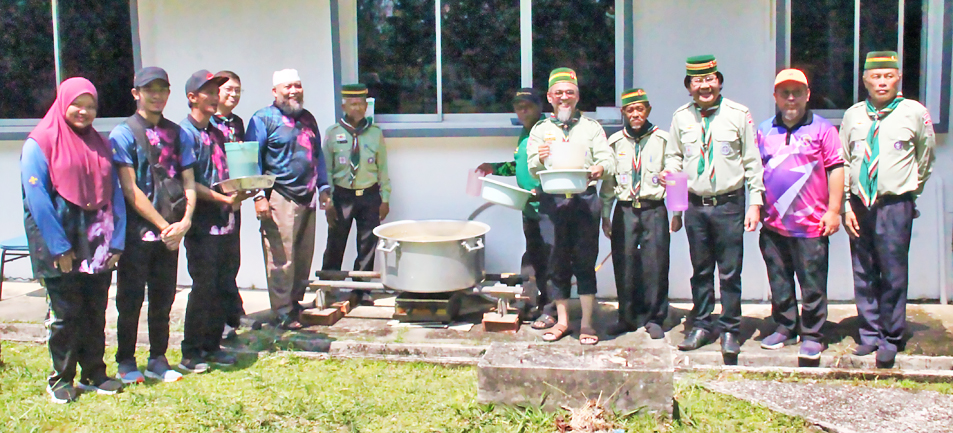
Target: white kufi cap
[{"x": 285, "y": 76}]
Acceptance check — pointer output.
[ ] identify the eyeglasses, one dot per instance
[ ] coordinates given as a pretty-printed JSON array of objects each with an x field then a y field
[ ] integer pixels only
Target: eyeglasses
[
  {"x": 558, "y": 93},
  {"x": 237, "y": 91},
  {"x": 710, "y": 79}
]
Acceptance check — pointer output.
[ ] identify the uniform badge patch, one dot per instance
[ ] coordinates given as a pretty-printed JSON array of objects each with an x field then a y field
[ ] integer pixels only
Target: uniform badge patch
[
  {"x": 926, "y": 118},
  {"x": 725, "y": 149},
  {"x": 654, "y": 180},
  {"x": 370, "y": 160},
  {"x": 341, "y": 138},
  {"x": 624, "y": 179},
  {"x": 342, "y": 160},
  {"x": 898, "y": 145}
]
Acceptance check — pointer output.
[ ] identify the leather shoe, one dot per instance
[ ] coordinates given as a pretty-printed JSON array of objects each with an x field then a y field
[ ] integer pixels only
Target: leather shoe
[
  {"x": 730, "y": 344},
  {"x": 619, "y": 328},
  {"x": 655, "y": 331},
  {"x": 886, "y": 358},
  {"x": 864, "y": 350},
  {"x": 695, "y": 339}
]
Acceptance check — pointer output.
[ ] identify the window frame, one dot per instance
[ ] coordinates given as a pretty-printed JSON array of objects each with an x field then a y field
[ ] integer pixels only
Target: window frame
[
  {"x": 19, "y": 129},
  {"x": 935, "y": 56},
  {"x": 346, "y": 69}
]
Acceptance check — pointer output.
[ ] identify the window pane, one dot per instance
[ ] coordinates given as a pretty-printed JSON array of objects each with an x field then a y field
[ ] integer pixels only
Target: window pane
[
  {"x": 397, "y": 54},
  {"x": 822, "y": 45},
  {"x": 912, "y": 31},
  {"x": 878, "y": 30},
  {"x": 96, "y": 43},
  {"x": 580, "y": 35},
  {"x": 481, "y": 55},
  {"x": 27, "y": 74}
]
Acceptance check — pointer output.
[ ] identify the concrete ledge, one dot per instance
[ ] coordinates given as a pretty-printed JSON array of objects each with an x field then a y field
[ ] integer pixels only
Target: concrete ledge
[
  {"x": 455, "y": 354},
  {"x": 706, "y": 360}
]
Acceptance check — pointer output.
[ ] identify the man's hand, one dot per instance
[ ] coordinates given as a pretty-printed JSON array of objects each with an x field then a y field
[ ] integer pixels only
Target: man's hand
[
  {"x": 263, "y": 209},
  {"x": 65, "y": 262},
  {"x": 543, "y": 151},
  {"x": 385, "y": 210},
  {"x": 331, "y": 214},
  {"x": 486, "y": 168},
  {"x": 851, "y": 225},
  {"x": 113, "y": 260},
  {"x": 324, "y": 200},
  {"x": 173, "y": 234},
  {"x": 676, "y": 223},
  {"x": 607, "y": 227},
  {"x": 752, "y": 217},
  {"x": 663, "y": 176},
  {"x": 595, "y": 172},
  {"x": 830, "y": 223}
]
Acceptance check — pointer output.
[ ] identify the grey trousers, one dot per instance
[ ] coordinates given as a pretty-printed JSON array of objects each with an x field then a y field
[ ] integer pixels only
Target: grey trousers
[{"x": 287, "y": 240}]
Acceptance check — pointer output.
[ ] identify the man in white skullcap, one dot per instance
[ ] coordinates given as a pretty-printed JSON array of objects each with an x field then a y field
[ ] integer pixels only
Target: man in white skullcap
[{"x": 290, "y": 149}]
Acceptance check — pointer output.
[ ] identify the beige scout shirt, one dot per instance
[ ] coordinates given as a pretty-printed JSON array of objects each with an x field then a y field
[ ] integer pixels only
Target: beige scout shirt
[
  {"x": 619, "y": 186},
  {"x": 585, "y": 132},
  {"x": 736, "y": 160},
  {"x": 907, "y": 144},
  {"x": 373, "y": 167}
]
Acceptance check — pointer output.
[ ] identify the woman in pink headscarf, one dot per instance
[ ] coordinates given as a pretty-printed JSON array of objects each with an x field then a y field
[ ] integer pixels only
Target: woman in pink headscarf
[{"x": 75, "y": 221}]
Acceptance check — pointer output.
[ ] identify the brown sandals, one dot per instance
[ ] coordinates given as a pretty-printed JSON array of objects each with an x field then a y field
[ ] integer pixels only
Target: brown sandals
[
  {"x": 555, "y": 333},
  {"x": 588, "y": 337}
]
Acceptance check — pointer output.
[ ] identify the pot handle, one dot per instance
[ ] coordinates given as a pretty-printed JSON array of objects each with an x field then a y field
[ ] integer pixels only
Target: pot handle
[
  {"x": 380, "y": 247},
  {"x": 478, "y": 246}
]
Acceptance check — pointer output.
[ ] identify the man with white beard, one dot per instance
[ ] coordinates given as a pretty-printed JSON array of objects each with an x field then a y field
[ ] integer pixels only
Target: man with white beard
[
  {"x": 290, "y": 149},
  {"x": 575, "y": 217}
]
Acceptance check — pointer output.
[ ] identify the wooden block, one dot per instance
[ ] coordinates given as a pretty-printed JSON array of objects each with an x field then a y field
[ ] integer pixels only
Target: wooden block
[
  {"x": 325, "y": 317},
  {"x": 493, "y": 322},
  {"x": 344, "y": 306}
]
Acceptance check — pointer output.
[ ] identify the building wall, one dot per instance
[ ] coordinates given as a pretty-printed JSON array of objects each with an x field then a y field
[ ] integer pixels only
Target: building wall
[{"x": 429, "y": 174}]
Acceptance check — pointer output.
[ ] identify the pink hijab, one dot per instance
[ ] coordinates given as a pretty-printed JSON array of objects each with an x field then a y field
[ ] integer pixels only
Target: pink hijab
[{"x": 80, "y": 161}]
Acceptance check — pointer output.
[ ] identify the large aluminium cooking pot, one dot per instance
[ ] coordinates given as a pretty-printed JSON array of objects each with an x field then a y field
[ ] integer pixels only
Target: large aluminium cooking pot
[{"x": 431, "y": 256}]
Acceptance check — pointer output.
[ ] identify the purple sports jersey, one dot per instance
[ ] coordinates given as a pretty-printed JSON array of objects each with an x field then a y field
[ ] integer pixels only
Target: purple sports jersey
[{"x": 795, "y": 173}]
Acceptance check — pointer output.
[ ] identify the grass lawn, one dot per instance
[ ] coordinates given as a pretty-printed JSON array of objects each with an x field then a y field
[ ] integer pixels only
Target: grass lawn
[{"x": 282, "y": 392}]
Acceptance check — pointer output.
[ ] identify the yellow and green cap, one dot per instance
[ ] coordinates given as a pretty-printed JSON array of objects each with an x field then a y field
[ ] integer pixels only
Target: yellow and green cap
[
  {"x": 354, "y": 91},
  {"x": 632, "y": 96},
  {"x": 882, "y": 59},
  {"x": 560, "y": 75},
  {"x": 699, "y": 66}
]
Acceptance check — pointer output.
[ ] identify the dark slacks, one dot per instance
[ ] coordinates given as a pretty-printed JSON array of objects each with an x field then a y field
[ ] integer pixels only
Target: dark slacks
[
  {"x": 715, "y": 235},
  {"x": 880, "y": 259},
  {"x": 807, "y": 258},
  {"x": 640, "y": 259},
  {"x": 144, "y": 263},
  {"x": 232, "y": 262},
  {"x": 213, "y": 295},
  {"x": 575, "y": 240},
  {"x": 77, "y": 325},
  {"x": 365, "y": 209},
  {"x": 536, "y": 257}
]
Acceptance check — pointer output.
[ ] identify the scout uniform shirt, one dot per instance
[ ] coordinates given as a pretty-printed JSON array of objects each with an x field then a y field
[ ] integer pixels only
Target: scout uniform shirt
[
  {"x": 372, "y": 168},
  {"x": 730, "y": 145},
  {"x": 647, "y": 154},
  {"x": 519, "y": 167},
  {"x": 907, "y": 144},
  {"x": 579, "y": 131}
]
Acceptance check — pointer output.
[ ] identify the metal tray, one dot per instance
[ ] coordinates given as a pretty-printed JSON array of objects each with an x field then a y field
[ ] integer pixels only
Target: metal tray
[{"x": 247, "y": 183}]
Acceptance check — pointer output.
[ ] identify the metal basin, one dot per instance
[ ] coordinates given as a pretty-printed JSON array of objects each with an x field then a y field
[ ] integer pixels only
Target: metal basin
[{"x": 431, "y": 256}]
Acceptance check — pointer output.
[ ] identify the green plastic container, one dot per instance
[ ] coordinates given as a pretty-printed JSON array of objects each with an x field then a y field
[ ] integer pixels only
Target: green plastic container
[{"x": 242, "y": 159}]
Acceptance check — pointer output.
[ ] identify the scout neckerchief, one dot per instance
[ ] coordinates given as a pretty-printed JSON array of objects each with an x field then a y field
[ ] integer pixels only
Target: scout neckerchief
[
  {"x": 224, "y": 124},
  {"x": 870, "y": 163},
  {"x": 355, "y": 132},
  {"x": 567, "y": 124},
  {"x": 647, "y": 129},
  {"x": 708, "y": 151}
]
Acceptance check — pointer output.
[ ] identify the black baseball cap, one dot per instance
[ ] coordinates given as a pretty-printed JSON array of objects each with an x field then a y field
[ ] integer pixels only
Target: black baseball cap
[
  {"x": 527, "y": 94},
  {"x": 149, "y": 74},
  {"x": 200, "y": 78}
]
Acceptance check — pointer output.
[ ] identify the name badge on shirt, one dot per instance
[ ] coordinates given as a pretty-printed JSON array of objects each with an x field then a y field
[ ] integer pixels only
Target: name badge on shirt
[
  {"x": 341, "y": 138},
  {"x": 689, "y": 151},
  {"x": 342, "y": 160},
  {"x": 624, "y": 179}
]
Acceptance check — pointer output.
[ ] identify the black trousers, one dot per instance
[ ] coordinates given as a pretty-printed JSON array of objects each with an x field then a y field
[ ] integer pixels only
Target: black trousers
[
  {"x": 807, "y": 258},
  {"x": 880, "y": 258},
  {"x": 575, "y": 240},
  {"x": 536, "y": 257},
  {"x": 233, "y": 260},
  {"x": 213, "y": 296},
  {"x": 77, "y": 325},
  {"x": 365, "y": 209},
  {"x": 640, "y": 258},
  {"x": 715, "y": 235},
  {"x": 144, "y": 263}
]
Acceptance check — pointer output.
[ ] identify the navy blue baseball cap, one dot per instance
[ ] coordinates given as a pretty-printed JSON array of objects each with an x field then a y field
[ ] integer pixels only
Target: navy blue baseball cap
[{"x": 149, "y": 74}]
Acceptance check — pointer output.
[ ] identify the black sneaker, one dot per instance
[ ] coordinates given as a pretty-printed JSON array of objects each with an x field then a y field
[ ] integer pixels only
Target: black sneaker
[
  {"x": 229, "y": 333},
  {"x": 61, "y": 393},
  {"x": 220, "y": 357},
  {"x": 193, "y": 365},
  {"x": 106, "y": 386}
]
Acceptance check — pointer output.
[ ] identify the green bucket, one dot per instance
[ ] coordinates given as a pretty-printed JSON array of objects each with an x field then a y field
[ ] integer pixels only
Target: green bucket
[{"x": 242, "y": 157}]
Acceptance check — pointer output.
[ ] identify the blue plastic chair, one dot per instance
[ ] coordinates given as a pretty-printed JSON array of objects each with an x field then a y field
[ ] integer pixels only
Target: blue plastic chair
[{"x": 10, "y": 250}]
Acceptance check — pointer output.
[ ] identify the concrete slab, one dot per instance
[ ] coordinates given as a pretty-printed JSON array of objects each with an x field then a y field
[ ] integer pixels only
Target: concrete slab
[{"x": 621, "y": 378}]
